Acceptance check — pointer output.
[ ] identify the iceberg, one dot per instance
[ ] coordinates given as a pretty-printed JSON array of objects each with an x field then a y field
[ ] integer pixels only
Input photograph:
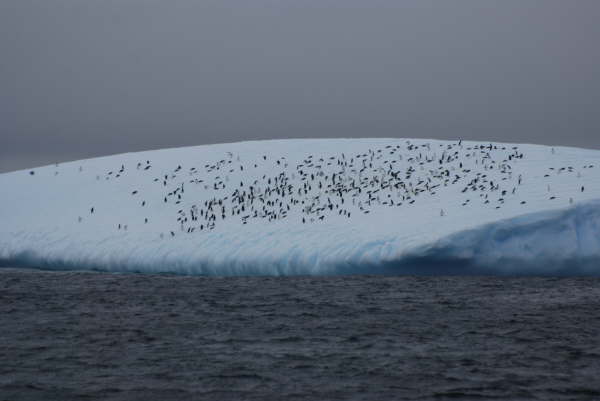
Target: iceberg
[{"x": 311, "y": 207}]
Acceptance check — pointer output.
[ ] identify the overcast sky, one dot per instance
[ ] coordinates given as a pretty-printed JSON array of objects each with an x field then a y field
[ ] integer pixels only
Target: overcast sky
[{"x": 84, "y": 78}]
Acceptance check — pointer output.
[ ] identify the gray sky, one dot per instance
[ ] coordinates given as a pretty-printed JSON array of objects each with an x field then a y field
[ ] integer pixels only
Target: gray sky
[{"x": 84, "y": 78}]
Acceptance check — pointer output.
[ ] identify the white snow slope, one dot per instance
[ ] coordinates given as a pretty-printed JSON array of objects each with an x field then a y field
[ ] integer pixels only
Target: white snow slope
[{"x": 322, "y": 206}]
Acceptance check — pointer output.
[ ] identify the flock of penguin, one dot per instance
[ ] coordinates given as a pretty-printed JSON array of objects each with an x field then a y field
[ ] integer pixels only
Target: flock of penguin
[{"x": 341, "y": 185}]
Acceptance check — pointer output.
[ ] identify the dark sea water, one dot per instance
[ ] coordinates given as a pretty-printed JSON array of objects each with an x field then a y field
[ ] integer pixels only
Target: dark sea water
[{"x": 93, "y": 336}]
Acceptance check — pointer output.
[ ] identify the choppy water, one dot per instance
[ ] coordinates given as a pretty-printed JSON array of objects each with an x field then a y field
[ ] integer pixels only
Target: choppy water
[{"x": 93, "y": 336}]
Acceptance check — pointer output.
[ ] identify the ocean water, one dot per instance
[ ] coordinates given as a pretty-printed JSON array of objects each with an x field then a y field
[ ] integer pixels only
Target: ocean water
[{"x": 96, "y": 336}]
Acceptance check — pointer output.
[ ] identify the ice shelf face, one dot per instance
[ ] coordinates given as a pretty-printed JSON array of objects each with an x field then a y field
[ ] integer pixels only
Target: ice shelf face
[{"x": 315, "y": 206}]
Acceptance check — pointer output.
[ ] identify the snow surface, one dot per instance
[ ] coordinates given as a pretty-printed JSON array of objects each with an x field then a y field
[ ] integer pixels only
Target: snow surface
[{"x": 394, "y": 206}]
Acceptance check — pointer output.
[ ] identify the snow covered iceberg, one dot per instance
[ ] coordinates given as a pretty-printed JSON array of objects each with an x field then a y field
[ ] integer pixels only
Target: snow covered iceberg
[{"x": 318, "y": 206}]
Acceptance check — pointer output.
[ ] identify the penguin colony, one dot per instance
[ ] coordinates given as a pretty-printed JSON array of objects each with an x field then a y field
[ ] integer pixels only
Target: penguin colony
[{"x": 320, "y": 187}]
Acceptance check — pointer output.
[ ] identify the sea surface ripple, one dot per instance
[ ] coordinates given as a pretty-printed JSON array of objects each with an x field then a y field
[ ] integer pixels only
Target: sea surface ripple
[{"x": 92, "y": 336}]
